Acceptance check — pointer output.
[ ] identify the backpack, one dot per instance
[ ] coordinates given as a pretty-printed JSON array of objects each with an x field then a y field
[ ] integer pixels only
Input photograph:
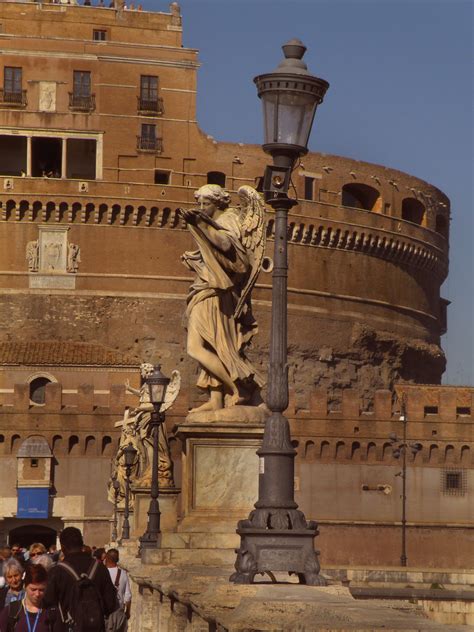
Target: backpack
[{"x": 88, "y": 615}]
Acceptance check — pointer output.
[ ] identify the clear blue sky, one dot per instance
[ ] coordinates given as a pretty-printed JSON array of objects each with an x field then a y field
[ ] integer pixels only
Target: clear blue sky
[{"x": 401, "y": 95}]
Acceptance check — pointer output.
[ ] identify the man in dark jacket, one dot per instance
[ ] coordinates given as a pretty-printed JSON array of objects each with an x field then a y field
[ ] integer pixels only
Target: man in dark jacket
[{"x": 62, "y": 584}]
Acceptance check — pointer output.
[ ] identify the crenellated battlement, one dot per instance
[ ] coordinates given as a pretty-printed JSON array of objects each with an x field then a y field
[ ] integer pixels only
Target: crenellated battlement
[
  {"x": 84, "y": 400},
  {"x": 423, "y": 403}
]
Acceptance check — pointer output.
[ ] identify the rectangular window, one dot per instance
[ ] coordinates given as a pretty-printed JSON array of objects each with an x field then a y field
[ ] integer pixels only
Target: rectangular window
[
  {"x": 463, "y": 411},
  {"x": 12, "y": 80},
  {"x": 148, "y": 88},
  {"x": 308, "y": 188},
  {"x": 99, "y": 35},
  {"x": 148, "y": 131},
  {"x": 430, "y": 410},
  {"x": 162, "y": 177},
  {"x": 82, "y": 83},
  {"x": 147, "y": 139},
  {"x": 453, "y": 482}
]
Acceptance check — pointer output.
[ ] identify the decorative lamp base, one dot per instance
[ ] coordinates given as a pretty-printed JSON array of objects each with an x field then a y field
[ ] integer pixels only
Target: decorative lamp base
[
  {"x": 269, "y": 550},
  {"x": 150, "y": 541}
]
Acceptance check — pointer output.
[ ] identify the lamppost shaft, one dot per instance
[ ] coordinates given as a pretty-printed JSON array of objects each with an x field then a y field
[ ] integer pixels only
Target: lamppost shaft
[
  {"x": 150, "y": 538},
  {"x": 276, "y": 487},
  {"x": 403, "y": 556},
  {"x": 126, "y": 513},
  {"x": 277, "y": 397},
  {"x": 114, "y": 524}
]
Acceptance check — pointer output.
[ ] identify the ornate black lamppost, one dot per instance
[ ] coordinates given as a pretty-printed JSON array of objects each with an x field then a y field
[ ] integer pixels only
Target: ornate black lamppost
[
  {"x": 129, "y": 455},
  {"x": 400, "y": 449},
  {"x": 116, "y": 488},
  {"x": 157, "y": 384},
  {"x": 276, "y": 536}
]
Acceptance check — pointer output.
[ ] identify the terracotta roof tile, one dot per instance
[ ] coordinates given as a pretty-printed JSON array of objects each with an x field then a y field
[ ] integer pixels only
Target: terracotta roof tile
[{"x": 62, "y": 353}]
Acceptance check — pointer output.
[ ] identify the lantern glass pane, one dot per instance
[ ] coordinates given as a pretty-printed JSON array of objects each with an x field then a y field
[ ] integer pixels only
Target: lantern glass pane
[
  {"x": 288, "y": 117},
  {"x": 129, "y": 454},
  {"x": 157, "y": 394}
]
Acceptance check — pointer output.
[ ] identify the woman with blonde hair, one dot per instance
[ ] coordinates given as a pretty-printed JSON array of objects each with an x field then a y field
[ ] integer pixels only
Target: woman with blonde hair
[{"x": 36, "y": 549}]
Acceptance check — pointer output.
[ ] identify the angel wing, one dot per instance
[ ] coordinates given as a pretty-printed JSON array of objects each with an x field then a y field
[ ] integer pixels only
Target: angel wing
[
  {"x": 253, "y": 237},
  {"x": 172, "y": 391}
]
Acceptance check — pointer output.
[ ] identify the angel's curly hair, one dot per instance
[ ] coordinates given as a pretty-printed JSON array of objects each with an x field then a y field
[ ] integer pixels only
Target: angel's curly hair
[{"x": 215, "y": 193}]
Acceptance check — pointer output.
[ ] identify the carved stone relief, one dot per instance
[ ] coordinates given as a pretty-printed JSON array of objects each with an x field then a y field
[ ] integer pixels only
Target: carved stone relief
[{"x": 47, "y": 96}]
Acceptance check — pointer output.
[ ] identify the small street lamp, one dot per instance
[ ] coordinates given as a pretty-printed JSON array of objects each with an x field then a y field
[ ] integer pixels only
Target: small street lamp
[
  {"x": 276, "y": 536},
  {"x": 129, "y": 455},
  {"x": 157, "y": 384},
  {"x": 399, "y": 447},
  {"x": 116, "y": 488}
]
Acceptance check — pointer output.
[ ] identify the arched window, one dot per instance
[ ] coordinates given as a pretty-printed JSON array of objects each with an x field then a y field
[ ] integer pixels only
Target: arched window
[
  {"x": 106, "y": 446},
  {"x": 442, "y": 226},
  {"x": 310, "y": 450},
  {"x": 38, "y": 390},
  {"x": 413, "y": 211},
  {"x": 340, "y": 450},
  {"x": 324, "y": 451},
  {"x": 90, "y": 445},
  {"x": 355, "y": 451},
  {"x": 216, "y": 177},
  {"x": 371, "y": 452},
  {"x": 361, "y": 196},
  {"x": 73, "y": 444}
]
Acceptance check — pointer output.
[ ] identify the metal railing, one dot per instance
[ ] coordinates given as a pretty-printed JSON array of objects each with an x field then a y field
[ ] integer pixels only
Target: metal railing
[
  {"x": 150, "y": 106},
  {"x": 15, "y": 99},
  {"x": 147, "y": 143},
  {"x": 81, "y": 103}
]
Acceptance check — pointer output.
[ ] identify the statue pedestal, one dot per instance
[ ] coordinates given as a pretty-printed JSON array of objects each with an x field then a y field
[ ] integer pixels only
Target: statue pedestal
[
  {"x": 219, "y": 484},
  {"x": 168, "y": 499}
]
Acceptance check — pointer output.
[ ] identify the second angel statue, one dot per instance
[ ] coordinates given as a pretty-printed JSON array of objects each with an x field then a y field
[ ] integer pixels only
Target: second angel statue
[{"x": 220, "y": 323}]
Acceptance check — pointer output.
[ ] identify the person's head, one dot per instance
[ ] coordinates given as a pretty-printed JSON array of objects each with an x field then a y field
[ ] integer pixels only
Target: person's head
[
  {"x": 5, "y": 553},
  {"x": 87, "y": 549},
  {"x": 13, "y": 571},
  {"x": 71, "y": 540},
  {"x": 16, "y": 549},
  {"x": 100, "y": 554},
  {"x": 36, "y": 579},
  {"x": 111, "y": 558},
  {"x": 45, "y": 560},
  {"x": 52, "y": 549},
  {"x": 212, "y": 197},
  {"x": 36, "y": 549}
]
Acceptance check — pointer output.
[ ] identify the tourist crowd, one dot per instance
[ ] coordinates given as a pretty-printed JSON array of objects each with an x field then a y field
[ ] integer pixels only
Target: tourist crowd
[{"x": 76, "y": 589}]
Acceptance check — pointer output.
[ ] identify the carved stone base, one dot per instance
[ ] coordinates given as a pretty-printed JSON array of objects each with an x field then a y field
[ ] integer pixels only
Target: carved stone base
[
  {"x": 232, "y": 415},
  {"x": 168, "y": 500},
  {"x": 270, "y": 550},
  {"x": 219, "y": 470}
]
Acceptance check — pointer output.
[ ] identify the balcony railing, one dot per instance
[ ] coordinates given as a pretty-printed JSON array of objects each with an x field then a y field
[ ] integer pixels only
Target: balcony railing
[
  {"x": 13, "y": 99},
  {"x": 150, "y": 107},
  {"x": 145, "y": 143},
  {"x": 81, "y": 103}
]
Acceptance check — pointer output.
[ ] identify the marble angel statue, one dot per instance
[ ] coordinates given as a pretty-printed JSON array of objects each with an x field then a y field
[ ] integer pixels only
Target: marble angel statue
[
  {"x": 136, "y": 429},
  {"x": 220, "y": 325}
]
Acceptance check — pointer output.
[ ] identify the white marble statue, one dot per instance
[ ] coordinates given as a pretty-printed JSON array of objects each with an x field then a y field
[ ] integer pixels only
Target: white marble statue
[
  {"x": 32, "y": 255},
  {"x": 220, "y": 324},
  {"x": 136, "y": 429},
  {"x": 73, "y": 257}
]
